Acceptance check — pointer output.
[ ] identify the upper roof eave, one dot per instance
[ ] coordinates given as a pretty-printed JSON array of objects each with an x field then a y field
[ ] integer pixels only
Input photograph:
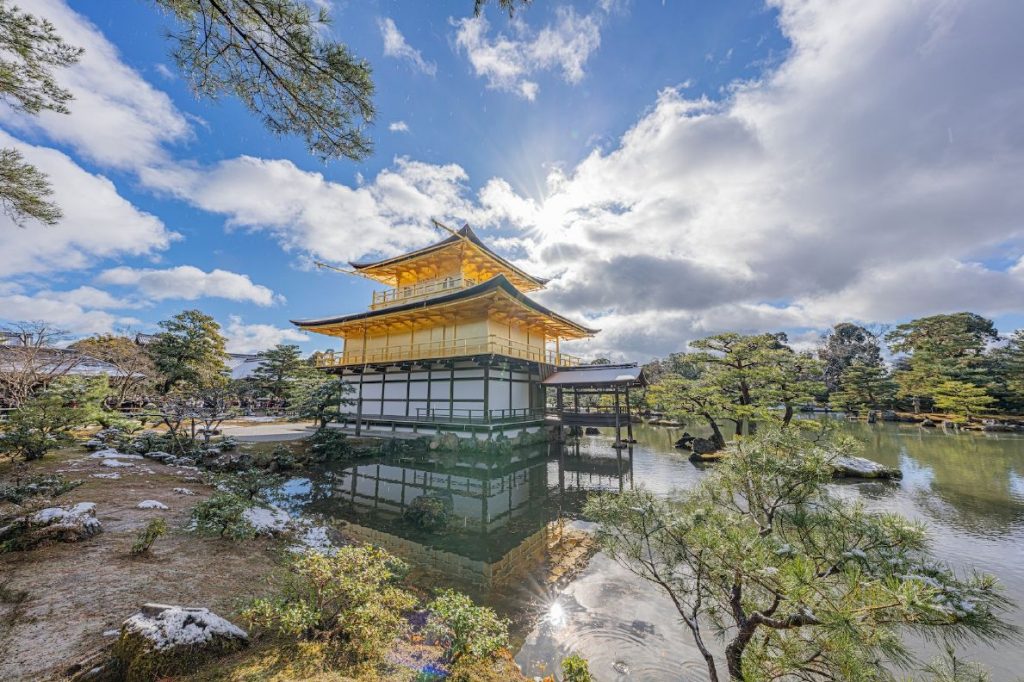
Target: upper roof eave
[{"x": 497, "y": 282}]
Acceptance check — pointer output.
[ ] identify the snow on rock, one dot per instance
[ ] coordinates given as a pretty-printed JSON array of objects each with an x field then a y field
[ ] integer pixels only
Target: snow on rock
[
  {"x": 113, "y": 475},
  {"x": 173, "y": 640},
  {"x": 61, "y": 524},
  {"x": 183, "y": 491},
  {"x": 151, "y": 504},
  {"x": 847, "y": 466},
  {"x": 168, "y": 626},
  {"x": 268, "y": 520}
]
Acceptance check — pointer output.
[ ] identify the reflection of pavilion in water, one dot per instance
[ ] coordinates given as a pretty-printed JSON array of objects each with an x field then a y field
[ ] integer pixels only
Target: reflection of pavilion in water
[{"x": 505, "y": 510}]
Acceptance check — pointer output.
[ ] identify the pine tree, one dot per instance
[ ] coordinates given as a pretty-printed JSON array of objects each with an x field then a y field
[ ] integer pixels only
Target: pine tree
[
  {"x": 277, "y": 367},
  {"x": 799, "y": 582},
  {"x": 30, "y": 52},
  {"x": 863, "y": 386},
  {"x": 963, "y": 400},
  {"x": 190, "y": 351}
]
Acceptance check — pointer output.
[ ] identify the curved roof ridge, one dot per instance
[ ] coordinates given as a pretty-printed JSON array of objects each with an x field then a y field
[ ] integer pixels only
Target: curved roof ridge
[{"x": 463, "y": 232}]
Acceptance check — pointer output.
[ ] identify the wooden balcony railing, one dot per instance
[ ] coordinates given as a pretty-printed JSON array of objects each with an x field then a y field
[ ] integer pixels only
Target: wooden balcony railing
[
  {"x": 418, "y": 292},
  {"x": 482, "y": 345}
]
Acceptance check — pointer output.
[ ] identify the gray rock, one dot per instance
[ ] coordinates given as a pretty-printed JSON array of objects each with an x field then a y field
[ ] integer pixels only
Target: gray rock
[
  {"x": 847, "y": 466},
  {"x": 56, "y": 524},
  {"x": 703, "y": 446},
  {"x": 928, "y": 424}
]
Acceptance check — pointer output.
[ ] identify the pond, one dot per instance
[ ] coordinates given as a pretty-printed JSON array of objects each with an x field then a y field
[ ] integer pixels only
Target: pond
[{"x": 968, "y": 488}]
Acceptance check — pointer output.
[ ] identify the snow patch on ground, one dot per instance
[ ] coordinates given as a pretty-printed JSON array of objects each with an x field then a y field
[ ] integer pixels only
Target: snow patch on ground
[
  {"x": 168, "y": 627},
  {"x": 312, "y": 537},
  {"x": 110, "y": 453},
  {"x": 115, "y": 463},
  {"x": 268, "y": 520},
  {"x": 113, "y": 475},
  {"x": 151, "y": 504}
]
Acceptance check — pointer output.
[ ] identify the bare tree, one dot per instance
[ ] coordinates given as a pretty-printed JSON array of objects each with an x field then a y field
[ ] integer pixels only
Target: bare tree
[
  {"x": 30, "y": 358},
  {"x": 135, "y": 370},
  {"x": 193, "y": 415}
]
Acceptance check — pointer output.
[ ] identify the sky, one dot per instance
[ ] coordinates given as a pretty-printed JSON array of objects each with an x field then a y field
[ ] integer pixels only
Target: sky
[{"x": 676, "y": 168}]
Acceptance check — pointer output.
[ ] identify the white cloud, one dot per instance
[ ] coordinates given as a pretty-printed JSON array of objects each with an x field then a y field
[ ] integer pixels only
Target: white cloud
[
  {"x": 868, "y": 176},
  {"x": 98, "y": 222},
  {"x": 396, "y": 46},
  {"x": 117, "y": 119},
  {"x": 310, "y": 214},
  {"x": 189, "y": 283},
  {"x": 508, "y": 62},
  {"x": 164, "y": 71},
  {"x": 89, "y": 297},
  {"x": 398, "y": 127},
  {"x": 62, "y": 310},
  {"x": 252, "y": 338}
]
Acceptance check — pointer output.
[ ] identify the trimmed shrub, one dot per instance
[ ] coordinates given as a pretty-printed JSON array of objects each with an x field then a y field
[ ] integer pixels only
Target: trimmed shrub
[
  {"x": 429, "y": 512},
  {"x": 249, "y": 484},
  {"x": 147, "y": 536},
  {"x": 223, "y": 515},
  {"x": 329, "y": 444},
  {"x": 465, "y": 629},
  {"x": 45, "y": 485},
  {"x": 350, "y": 600},
  {"x": 576, "y": 669}
]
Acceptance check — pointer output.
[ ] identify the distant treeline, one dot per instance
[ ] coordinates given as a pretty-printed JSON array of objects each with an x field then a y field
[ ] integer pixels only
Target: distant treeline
[{"x": 957, "y": 364}]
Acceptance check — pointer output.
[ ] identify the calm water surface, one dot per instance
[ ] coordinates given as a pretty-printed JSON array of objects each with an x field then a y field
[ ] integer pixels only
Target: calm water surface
[{"x": 968, "y": 488}]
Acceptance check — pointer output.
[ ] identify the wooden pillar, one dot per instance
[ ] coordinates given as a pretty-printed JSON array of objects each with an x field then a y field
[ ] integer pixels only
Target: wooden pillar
[
  {"x": 629, "y": 419},
  {"x": 559, "y": 405},
  {"x": 618, "y": 421},
  {"x": 487, "y": 391},
  {"x": 359, "y": 403}
]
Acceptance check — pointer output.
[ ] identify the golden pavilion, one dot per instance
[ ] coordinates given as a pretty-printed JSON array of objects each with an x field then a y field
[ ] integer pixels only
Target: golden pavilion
[{"x": 454, "y": 343}]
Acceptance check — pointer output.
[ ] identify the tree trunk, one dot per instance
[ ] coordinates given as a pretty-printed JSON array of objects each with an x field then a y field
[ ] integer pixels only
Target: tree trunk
[
  {"x": 734, "y": 651},
  {"x": 788, "y": 415},
  {"x": 716, "y": 433}
]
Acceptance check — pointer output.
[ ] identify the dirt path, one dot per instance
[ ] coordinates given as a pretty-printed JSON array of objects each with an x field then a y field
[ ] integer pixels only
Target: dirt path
[
  {"x": 266, "y": 432},
  {"x": 76, "y": 592}
]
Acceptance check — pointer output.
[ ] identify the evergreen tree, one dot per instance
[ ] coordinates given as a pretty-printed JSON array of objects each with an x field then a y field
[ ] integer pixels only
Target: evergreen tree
[
  {"x": 189, "y": 351},
  {"x": 1007, "y": 371},
  {"x": 318, "y": 396},
  {"x": 800, "y": 583},
  {"x": 737, "y": 378},
  {"x": 941, "y": 348},
  {"x": 277, "y": 58},
  {"x": 863, "y": 386},
  {"x": 30, "y": 52},
  {"x": 278, "y": 366},
  {"x": 963, "y": 400},
  {"x": 844, "y": 345}
]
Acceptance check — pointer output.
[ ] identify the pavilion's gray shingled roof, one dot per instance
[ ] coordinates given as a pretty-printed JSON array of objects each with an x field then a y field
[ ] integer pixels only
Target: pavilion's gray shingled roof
[{"x": 598, "y": 375}]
